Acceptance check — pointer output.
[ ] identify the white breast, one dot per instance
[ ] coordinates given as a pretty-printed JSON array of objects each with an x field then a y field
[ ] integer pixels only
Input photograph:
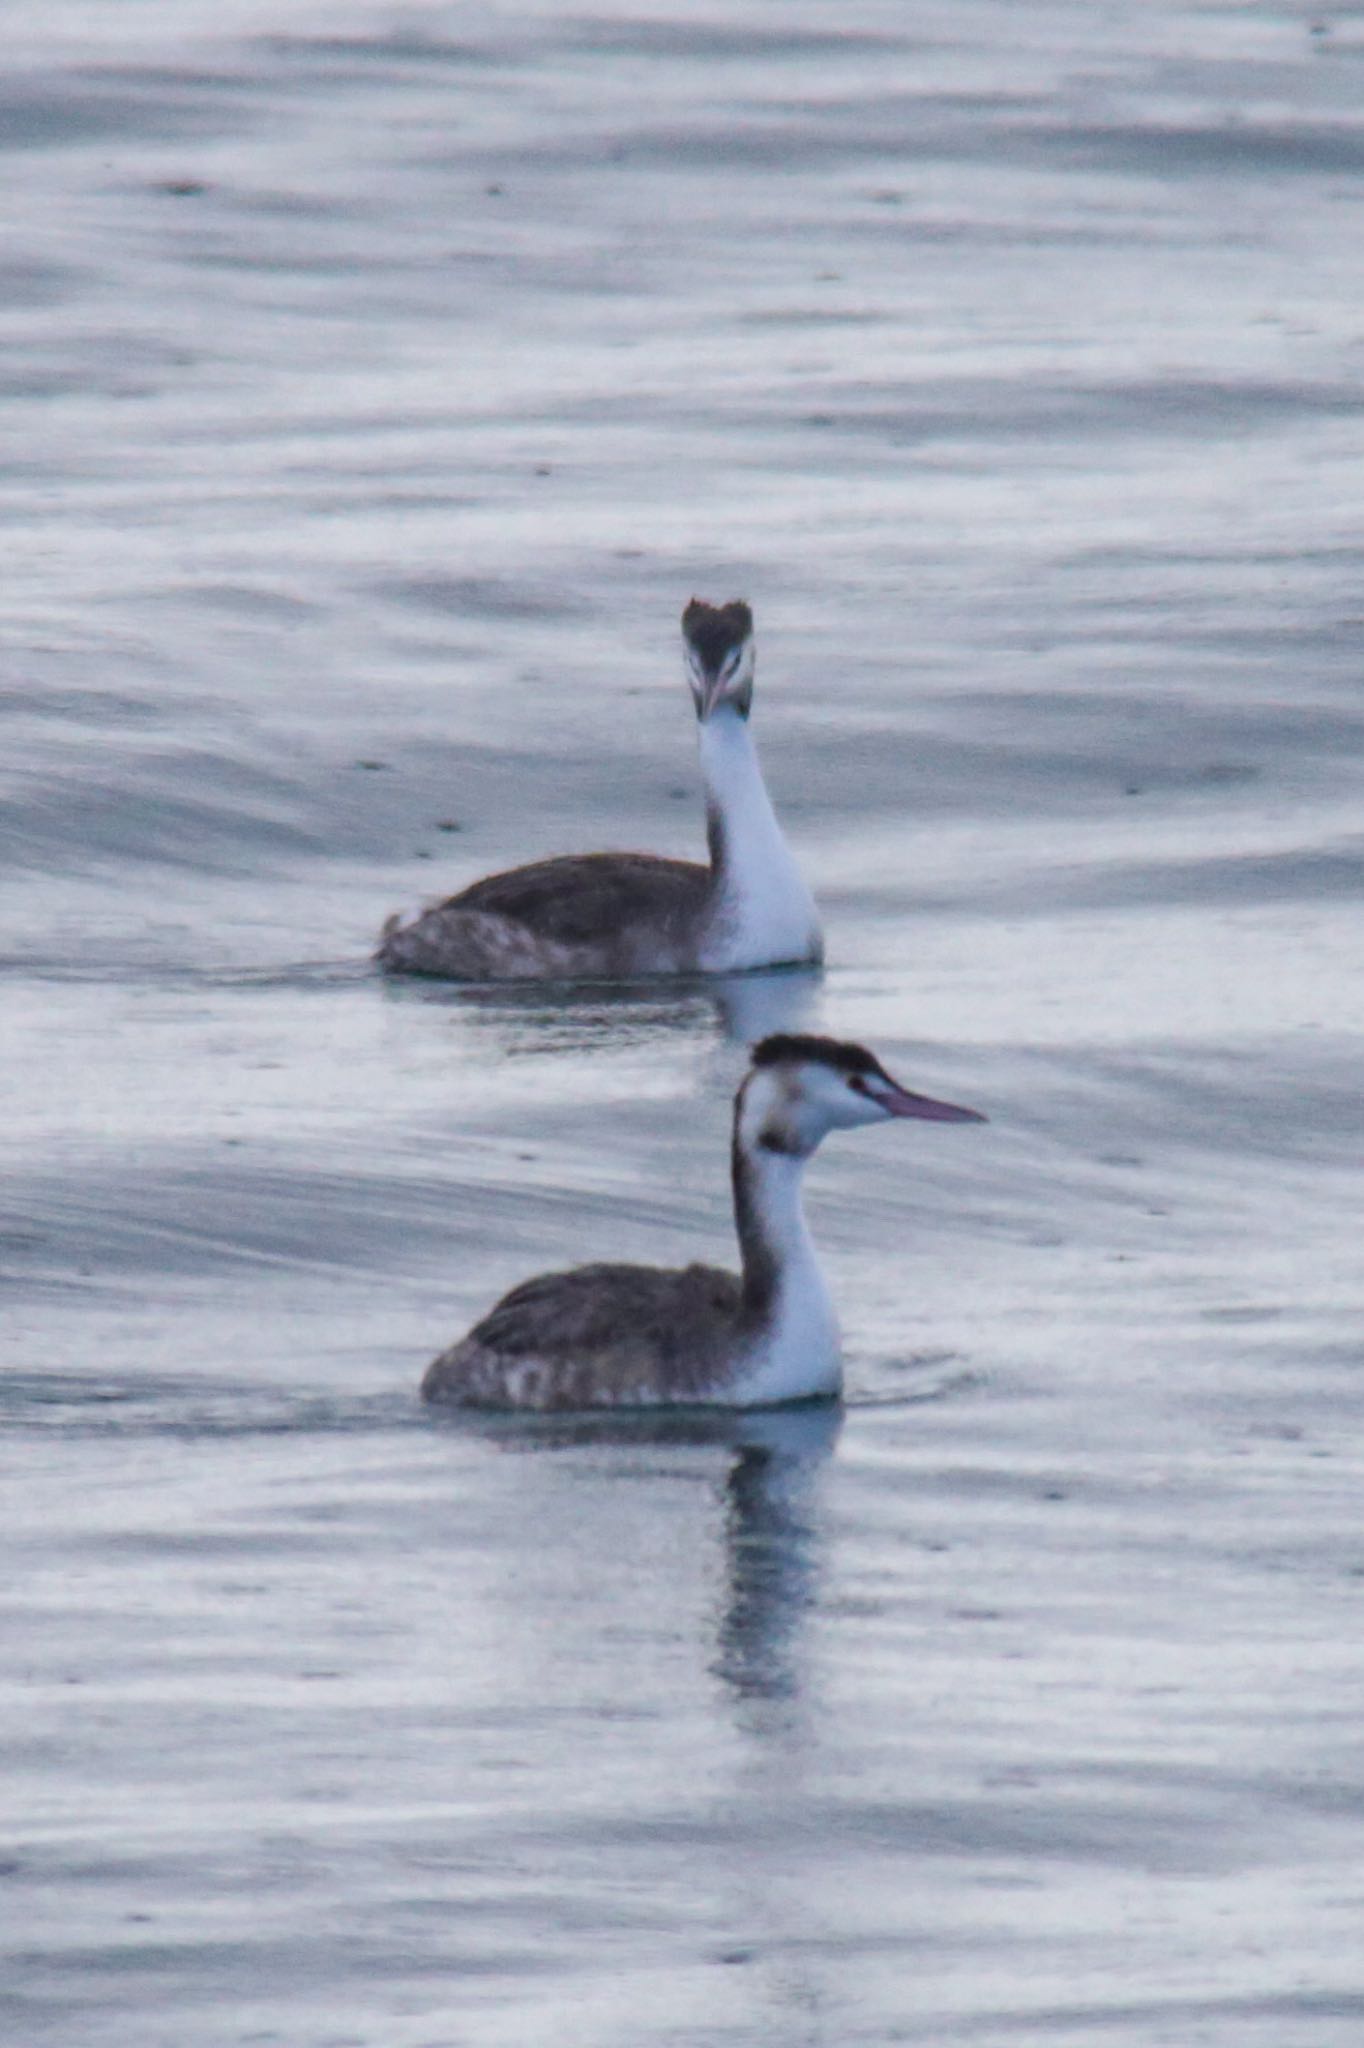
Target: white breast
[
  {"x": 797, "y": 1354},
  {"x": 765, "y": 918},
  {"x": 800, "y": 1357},
  {"x": 765, "y": 915}
]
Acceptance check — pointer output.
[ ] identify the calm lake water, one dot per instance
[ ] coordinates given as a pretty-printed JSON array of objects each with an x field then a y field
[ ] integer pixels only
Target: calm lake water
[{"x": 379, "y": 382}]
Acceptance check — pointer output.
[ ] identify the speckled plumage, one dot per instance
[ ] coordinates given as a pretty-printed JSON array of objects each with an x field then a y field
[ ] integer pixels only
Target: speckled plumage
[
  {"x": 588, "y": 914},
  {"x": 599, "y": 1336}
]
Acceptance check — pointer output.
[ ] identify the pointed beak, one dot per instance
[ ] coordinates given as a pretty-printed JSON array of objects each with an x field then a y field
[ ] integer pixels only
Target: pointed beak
[
  {"x": 711, "y": 692},
  {"x": 903, "y": 1102}
]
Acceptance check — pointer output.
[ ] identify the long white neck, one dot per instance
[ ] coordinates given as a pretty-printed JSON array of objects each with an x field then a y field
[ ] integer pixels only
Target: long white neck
[
  {"x": 762, "y": 913},
  {"x": 788, "y": 1310}
]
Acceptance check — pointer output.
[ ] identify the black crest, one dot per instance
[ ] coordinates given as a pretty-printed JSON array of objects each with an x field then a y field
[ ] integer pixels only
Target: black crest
[
  {"x": 713, "y": 630},
  {"x": 827, "y": 1052}
]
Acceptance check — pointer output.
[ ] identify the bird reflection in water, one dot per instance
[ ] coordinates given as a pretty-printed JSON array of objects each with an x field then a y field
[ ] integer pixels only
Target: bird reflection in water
[
  {"x": 772, "y": 1545},
  {"x": 529, "y": 1017},
  {"x": 769, "y": 1499}
]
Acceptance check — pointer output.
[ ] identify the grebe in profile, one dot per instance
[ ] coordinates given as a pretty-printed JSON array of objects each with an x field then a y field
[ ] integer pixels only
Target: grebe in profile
[
  {"x": 634, "y": 1336},
  {"x": 613, "y": 915}
]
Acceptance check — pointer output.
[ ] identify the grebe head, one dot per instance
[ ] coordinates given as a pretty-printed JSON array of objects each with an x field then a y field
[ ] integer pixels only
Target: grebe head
[
  {"x": 801, "y": 1088},
  {"x": 717, "y": 640}
]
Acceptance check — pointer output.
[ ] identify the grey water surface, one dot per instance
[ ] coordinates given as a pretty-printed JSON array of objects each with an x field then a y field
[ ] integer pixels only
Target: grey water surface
[{"x": 378, "y": 383}]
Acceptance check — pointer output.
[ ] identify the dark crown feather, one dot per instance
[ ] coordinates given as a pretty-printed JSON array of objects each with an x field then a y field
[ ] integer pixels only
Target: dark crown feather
[
  {"x": 825, "y": 1052},
  {"x": 714, "y": 630}
]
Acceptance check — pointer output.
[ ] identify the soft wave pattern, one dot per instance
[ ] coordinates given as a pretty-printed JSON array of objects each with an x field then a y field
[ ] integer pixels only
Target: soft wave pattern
[{"x": 380, "y": 382}]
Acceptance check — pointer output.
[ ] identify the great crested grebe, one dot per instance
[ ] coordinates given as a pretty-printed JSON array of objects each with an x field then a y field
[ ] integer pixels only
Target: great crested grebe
[
  {"x": 614, "y": 915},
  {"x": 639, "y": 1336}
]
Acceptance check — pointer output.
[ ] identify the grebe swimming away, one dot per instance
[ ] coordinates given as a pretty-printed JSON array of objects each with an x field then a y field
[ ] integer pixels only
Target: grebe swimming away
[
  {"x": 613, "y": 915},
  {"x": 636, "y": 1336}
]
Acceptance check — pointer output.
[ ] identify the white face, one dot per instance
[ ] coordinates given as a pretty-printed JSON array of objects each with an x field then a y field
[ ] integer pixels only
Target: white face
[
  {"x": 796, "y": 1103},
  {"x": 731, "y": 684}
]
